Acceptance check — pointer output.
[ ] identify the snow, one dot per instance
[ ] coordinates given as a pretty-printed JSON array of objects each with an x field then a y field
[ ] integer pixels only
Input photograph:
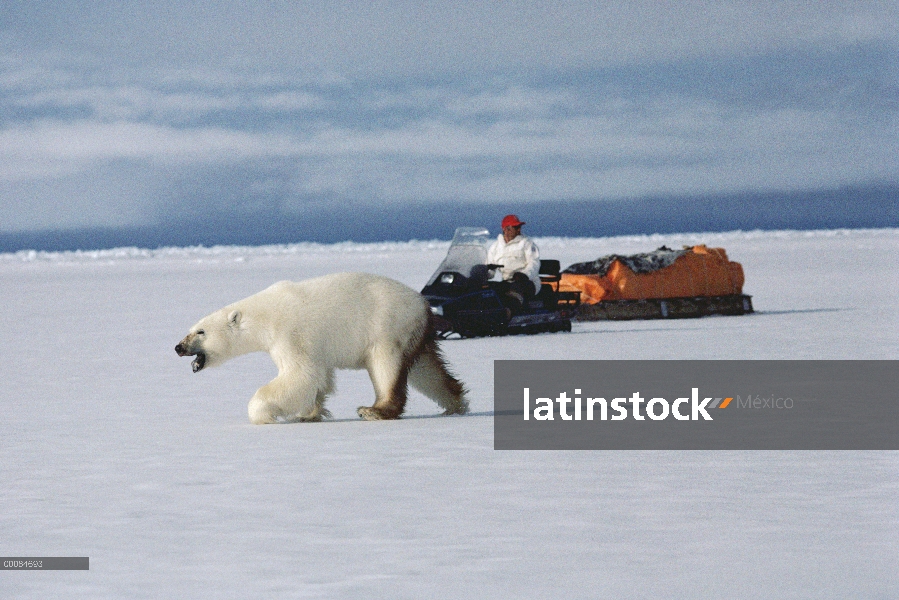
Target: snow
[{"x": 113, "y": 449}]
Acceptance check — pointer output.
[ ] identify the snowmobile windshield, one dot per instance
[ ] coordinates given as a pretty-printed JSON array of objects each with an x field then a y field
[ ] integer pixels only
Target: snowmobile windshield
[{"x": 468, "y": 249}]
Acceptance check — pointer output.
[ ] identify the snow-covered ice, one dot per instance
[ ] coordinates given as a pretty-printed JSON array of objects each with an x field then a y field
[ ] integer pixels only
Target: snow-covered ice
[{"x": 113, "y": 449}]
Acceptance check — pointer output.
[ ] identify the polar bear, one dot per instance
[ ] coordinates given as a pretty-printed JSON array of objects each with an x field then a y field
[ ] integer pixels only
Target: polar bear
[{"x": 339, "y": 321}]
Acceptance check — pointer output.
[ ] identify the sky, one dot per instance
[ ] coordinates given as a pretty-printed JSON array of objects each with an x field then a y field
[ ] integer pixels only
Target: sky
[{"x": 128, "y": 114}]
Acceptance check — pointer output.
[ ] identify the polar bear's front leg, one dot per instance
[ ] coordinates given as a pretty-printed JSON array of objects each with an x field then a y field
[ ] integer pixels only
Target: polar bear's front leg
[{"x": 286, "y": 399}]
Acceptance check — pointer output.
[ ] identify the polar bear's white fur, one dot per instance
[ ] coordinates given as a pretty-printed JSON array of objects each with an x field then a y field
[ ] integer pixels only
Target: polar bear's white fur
[{"x": 340, "y": 321}]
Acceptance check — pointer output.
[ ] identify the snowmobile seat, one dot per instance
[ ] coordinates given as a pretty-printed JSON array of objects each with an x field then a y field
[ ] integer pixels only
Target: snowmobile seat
[
  {"x": 550, "y": 276},
  {"x": 550, "y": 273}
]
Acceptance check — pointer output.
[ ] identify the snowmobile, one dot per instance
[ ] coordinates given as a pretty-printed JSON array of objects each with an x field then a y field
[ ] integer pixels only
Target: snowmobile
[{"x": 466, "y": 304}]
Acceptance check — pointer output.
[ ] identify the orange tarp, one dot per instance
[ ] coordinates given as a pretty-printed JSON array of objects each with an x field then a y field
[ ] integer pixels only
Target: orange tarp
[{"x": 701, "y": 272}]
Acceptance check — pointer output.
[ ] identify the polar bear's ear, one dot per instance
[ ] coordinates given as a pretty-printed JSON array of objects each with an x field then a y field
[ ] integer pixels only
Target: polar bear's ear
[{"x": 234, "y": 318}]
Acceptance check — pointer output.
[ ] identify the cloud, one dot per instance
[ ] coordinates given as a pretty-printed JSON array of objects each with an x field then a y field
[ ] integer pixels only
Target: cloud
[
  {"x": 398, "y": 38},
  {"x": 153, "y": 109}
]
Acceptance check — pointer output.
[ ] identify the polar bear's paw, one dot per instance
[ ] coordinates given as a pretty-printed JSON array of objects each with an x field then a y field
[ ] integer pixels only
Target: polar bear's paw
[
  {"x": 370, "y": 413},
  {"x": 460, "y": 409},
  {"x": 319, "y": 415}
]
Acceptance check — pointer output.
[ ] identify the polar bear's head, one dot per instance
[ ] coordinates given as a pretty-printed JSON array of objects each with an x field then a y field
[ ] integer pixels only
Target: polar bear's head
[{"x": 213, "y": 340}]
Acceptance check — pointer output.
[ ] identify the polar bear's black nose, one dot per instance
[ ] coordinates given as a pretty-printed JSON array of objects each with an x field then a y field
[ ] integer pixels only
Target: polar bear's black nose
[{"x": 180, "y": 349}]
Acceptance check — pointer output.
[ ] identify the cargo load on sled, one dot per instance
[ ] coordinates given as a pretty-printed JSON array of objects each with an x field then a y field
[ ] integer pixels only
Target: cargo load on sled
[{"x": 692, "y": 282}]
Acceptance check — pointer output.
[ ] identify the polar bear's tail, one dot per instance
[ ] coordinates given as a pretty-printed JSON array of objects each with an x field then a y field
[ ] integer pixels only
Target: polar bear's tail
[{"x": 430, "y": 376}]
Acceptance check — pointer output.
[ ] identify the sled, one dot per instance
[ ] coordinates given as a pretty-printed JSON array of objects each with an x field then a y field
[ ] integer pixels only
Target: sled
[
  {"x": 692, "y": 282},
  {"x": 465, "y": 304}
]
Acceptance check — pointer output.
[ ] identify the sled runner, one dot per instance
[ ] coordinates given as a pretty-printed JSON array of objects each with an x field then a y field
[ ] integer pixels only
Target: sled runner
[{"x": 665, "y": 308}]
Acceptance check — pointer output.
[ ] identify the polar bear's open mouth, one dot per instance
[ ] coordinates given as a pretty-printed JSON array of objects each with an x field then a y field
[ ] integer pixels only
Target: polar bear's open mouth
[{"x": 199, "y": 362}]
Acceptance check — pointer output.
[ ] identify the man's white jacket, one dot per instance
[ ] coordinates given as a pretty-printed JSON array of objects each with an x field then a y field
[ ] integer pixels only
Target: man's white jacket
[{"x": 518, "y": 256}]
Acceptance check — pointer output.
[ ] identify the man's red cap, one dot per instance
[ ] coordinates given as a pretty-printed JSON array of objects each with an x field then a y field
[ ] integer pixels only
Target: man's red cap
[{"x": 511, "y": 221}]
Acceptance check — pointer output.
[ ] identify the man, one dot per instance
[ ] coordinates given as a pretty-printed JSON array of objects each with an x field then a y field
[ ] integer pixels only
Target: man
[{"x": 518, "y": 259}]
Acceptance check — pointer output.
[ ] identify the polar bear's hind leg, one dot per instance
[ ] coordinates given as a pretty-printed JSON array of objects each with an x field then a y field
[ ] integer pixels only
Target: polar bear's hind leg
[
  {"x": 388, "y": 369},
  {"x": 430, "y": 376},
  {"x": 426, "y": 371}
]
